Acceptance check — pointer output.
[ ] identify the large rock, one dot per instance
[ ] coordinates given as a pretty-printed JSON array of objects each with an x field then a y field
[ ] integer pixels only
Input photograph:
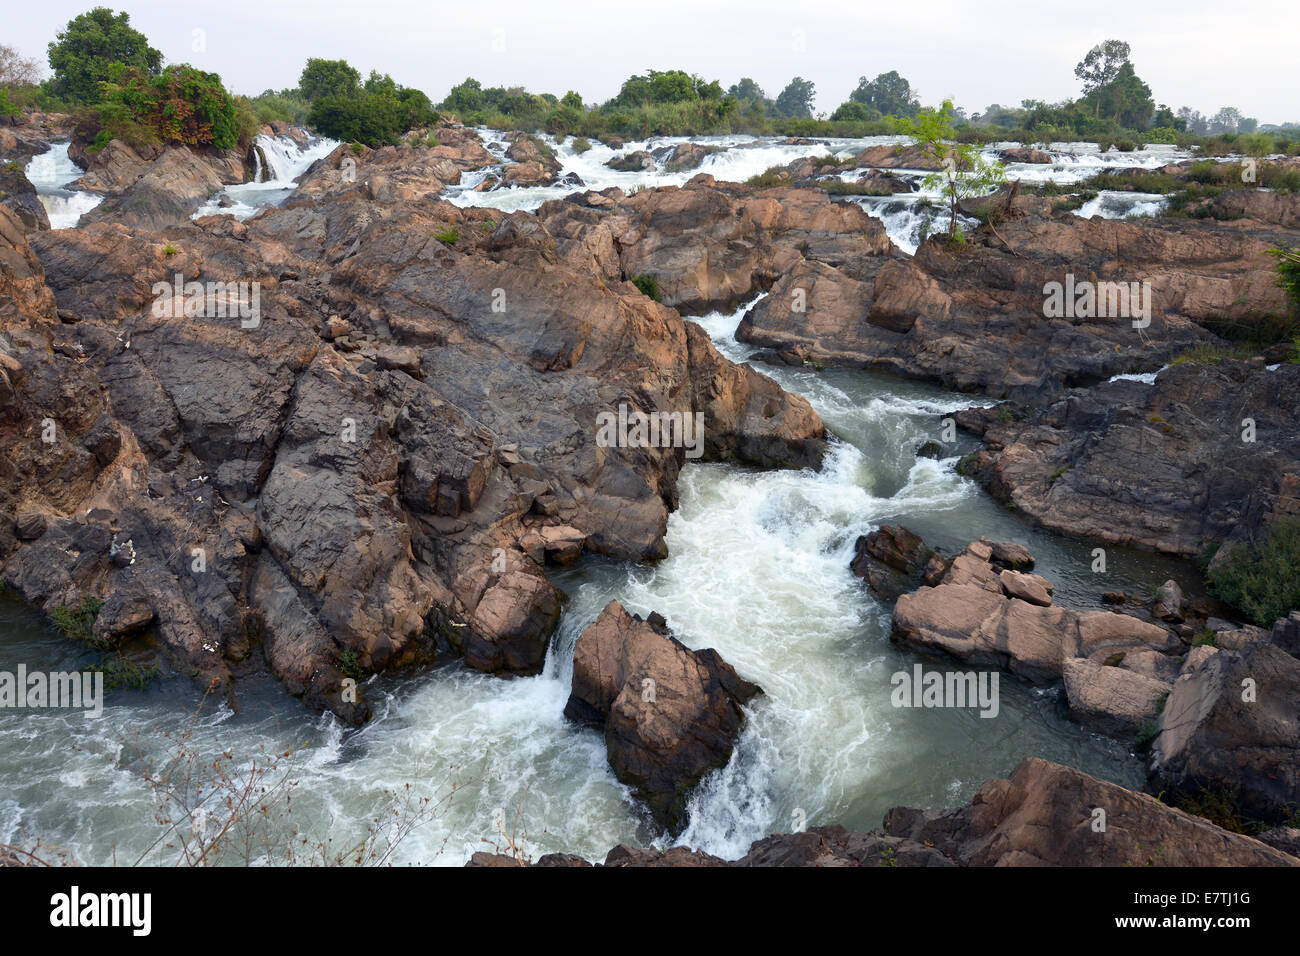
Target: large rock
[
  {"x": 19, "y": 196},
  {"x": 980, "y": 317},
  {"x": 364, "y": 500},
  {"x": 1112, "y": 700},
  {"x": 1162, "y": 467},
  {"x": 973, "y": 616},
  {"x": 1230, "y": 727},
  {"x": 670, "y": 714},
  {"x": 894, "y": 560},
  {"x": 1048, "y": 815},
  {"x": 166, "y": 194}
]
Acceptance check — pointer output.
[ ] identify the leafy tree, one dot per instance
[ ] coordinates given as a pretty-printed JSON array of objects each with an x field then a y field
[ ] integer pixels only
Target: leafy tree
[
  {"x": 1226, "y": 120},
  {"x": 796, "y": 99},
  {"x": 1101, "y": 66},
  {"x": 83, "y": 55},
  {"x": 181, "y": 105},
  {"x": 854, "y": 112},
  {"x": 571, "y": 100},
  {"x": 747, "y": 92},
  {"x": 965, "y": 174},
  {"x": 328, "y": 78},
  {"x": 1125, "y": 99},
  {"x": 465, "y": 98},
  {"x": 889, "y": 93}
]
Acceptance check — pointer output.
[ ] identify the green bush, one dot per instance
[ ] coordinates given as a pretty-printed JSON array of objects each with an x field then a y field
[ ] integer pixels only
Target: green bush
[
  {"x": 78, "y": 622},
  {"x": 450, "y": 235},
  {"x": 581, "y": 144},
  {"x": 1263, "y": 581},
  {"x": 180, "y": 106},
  {"x": 649, "y": 286}
]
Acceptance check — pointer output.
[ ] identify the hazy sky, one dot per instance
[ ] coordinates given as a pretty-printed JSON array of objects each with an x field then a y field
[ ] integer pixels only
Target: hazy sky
[{"x": 1201, "y": 53}]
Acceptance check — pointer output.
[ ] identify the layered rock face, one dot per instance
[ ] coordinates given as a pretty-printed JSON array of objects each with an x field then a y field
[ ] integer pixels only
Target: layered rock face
[
  {"x": 1042, "y": 815},
  {"x": 712, "y": 245},
  {"x": 670, "y": 714},
  {"x": 1210, "y": 453},
  {"x": 375, "y": 456},
  {"x": 1230, "y": 726}
]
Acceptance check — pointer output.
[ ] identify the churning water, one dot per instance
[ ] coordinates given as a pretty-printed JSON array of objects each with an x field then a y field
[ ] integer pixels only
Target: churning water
[
  {"x": 50, "y": 173},
  {"x": 758, "y": 568}
]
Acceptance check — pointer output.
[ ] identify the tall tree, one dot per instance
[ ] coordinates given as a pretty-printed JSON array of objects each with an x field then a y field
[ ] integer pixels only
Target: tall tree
[
  {"x": 889, "y": 93},
  {"x": 83, "y": 55},
  {"x": 1101, "y": 66},
  {"x": 796, "y": 100},
  {"x": 328, "y": 78}
]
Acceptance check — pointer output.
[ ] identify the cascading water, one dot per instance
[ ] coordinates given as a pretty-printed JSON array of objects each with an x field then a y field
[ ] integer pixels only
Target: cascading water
[
  {"x": 279, "y": 162},
  {"x": 758, "y": 568},
  {"x": 50, "y": 172}
]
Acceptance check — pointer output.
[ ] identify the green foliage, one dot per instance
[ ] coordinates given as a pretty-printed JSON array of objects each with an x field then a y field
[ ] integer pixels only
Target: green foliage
[
  {"x": 328, "y": 78},
  {"x": 78, "y": 622},
  {"x": 889, "y": 94},
  {"x": 375, "y": 113},
  {"x": 8, "y": 109},
  {"x": 180, "y": 105},
  {"x": 350, "y": 666},
  {"x": 649, "y": 286},
  {"x": 796, "y": 100},
  {"x": 967, "y": 173},
  {"x": 1263, "y": 581},
  {"x": 770, "y": 178},
  {"x": 581, "y": 144},
  {"x": 84, "y": 55},
  {"x": 450, "y": 235},
  {"x": 121, "y": 672},
  {"x": 1288, "y": 274}
]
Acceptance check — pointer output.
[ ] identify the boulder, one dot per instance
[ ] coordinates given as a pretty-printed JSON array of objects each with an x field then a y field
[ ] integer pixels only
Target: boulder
[
  {"x": 1230, "y": 726},
  {"x": 1112, "y": 700},
  {"x": 1048, "y": 815},
  {"x": 634, "y": 162},
  {"x": 670, "y": 714},
  {"x": 893, "y": 560}
]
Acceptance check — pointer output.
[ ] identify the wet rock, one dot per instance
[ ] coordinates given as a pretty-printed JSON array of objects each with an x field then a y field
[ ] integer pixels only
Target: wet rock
[
  {"x": 670, "y": 714},
  {"x": 166, "y": 194},
  {"x": 19, "y": 196},
  {"x": 1025, "y": 154},
  {"x": 635, "y": 162},
  {"x": 893, "y": 560},
  {"x": 1169, "y": 603},
  {"x": 688, "y": 156},
  {"x": 930, "y": 449}
]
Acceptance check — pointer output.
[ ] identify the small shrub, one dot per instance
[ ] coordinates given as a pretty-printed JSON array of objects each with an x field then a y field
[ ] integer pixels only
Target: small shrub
[
  {"x": 649, "y": 286},
  {"x": 581, "y": 144},
  {"x": 1263, "y": 581},
  {"x": 170, "y": 250},
  {"x": 350, "y": 666},
  {"x": 450, "y": 235},
  {"x": 78, "y": 622}
]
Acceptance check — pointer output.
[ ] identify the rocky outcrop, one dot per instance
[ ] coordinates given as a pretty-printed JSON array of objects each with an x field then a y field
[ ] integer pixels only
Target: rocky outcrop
[
  {"x": 634, "y": 162},
  {"x": 982, "y": 316},
  {"x": 19, "y": 196},
  {"x": 1230, "y": 728},
  {"x": 1116, "y": 669},
  {"x": 1025, "y": 154},
  {"x": 711, "y": 245},
  {"x": 688, "y": 156},
  {"x": 1048, "y": 815},
  {"x": 375, "y": 466},
  {"x": 893, "y": 560},
  {"x": 1209, "y": 453},
  {"x": 166, "y": 194},
  {"x": 670, "y": 714}
]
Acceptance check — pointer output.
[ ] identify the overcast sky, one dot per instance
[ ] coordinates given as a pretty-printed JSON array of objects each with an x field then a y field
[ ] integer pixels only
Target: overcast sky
[{"x": 1201, "y": 53}]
